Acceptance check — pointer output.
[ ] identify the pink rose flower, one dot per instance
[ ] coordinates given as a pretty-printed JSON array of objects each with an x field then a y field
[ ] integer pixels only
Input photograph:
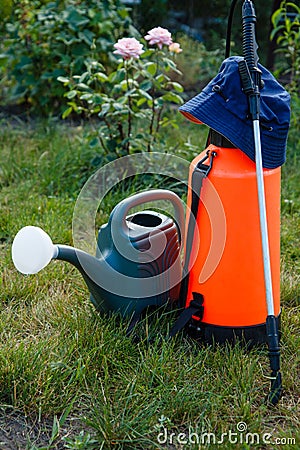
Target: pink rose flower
[
  {"x": 128, "y": 48},
  {"x": 175, "y": 47},
  {"x": 160, "y": 36}
]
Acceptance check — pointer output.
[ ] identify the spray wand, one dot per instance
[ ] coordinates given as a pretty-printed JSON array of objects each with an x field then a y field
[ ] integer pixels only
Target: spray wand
[{"x": 251, "y": 83}]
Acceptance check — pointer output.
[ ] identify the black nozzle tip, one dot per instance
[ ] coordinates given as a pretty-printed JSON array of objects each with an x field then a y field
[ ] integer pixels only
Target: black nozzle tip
[
  {"x": 276, "y": 389},
  {"x": 248, "y": 9}
]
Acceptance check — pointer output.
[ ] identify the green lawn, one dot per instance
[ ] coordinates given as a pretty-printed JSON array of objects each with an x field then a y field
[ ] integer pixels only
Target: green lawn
[{"x": 71, "y": 379}]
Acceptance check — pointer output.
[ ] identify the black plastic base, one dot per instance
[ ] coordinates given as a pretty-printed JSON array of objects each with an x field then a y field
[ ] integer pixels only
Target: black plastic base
[{"x": 212, "y": 334}]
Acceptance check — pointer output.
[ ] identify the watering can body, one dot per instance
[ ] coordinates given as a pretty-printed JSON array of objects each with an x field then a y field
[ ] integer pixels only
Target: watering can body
[{"x": 145, "y": 230}]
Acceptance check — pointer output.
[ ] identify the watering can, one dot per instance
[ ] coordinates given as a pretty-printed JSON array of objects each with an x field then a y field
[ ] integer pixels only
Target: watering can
[{"x": 137, "y": 262}]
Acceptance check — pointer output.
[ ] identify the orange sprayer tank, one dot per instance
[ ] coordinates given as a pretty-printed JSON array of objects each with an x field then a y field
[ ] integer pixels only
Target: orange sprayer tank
[{"x": 226, "y": 263}]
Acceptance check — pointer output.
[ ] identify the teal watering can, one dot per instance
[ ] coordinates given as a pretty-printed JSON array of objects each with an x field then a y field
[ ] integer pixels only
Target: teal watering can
[{"x": 137, "y": 262}]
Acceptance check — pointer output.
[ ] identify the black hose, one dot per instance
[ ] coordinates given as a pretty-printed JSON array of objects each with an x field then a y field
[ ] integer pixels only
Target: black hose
[{"x": 229, "y": 27}]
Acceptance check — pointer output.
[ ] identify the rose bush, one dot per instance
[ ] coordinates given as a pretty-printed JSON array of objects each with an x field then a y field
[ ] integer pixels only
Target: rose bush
[{"x": 129, "y": 101}]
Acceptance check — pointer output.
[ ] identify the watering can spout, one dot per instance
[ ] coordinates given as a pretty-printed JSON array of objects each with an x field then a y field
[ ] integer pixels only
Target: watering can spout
[
  {"x": 74, "y": 256},
  {"x": 90, "y": 267},
  {"x": 33, "y": 249}
]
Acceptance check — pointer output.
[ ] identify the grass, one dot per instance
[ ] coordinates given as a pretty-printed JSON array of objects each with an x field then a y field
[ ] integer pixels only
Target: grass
[{"x": 63, "y": 364}]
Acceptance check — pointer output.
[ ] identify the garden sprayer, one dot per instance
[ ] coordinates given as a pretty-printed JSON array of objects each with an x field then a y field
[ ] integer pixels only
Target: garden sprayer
[{"x": 249, "y": 113}]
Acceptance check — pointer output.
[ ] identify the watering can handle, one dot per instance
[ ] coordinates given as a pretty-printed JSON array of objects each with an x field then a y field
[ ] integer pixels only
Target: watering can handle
[{"x": 118, "y": 215}]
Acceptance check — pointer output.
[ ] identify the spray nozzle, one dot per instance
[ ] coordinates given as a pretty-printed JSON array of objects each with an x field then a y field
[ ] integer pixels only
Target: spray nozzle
[{"x": 248, "y": 10}]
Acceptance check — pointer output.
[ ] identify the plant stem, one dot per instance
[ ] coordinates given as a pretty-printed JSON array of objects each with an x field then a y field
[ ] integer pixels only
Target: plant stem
[
  {"x": 108, "y": 127},
  {"x": 100, "y": 138},
  {"x": 151, "y": 124},
  {"x": 151, "y": 140},
  {"x": 129, "y": 118},
  {"x": 158, "y": 119},
  {"x": 121, "y": 130}
]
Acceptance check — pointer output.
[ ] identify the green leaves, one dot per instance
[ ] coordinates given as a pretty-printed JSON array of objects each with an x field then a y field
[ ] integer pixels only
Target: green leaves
[
  {"x": 176, "y": 86},
  {"x": 172, "y": 97},
  {"x": 71, "y": 94},
  {"x": 67, "y": 112},
  {"x": 286, "y": 31},
  {"x": 102, "y": 77},
  {"x": 151, "y": 68},
  {"x": 64, "y": 80}
]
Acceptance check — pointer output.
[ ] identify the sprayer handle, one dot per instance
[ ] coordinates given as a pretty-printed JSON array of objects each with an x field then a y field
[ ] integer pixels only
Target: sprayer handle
[{"x": 119, "y": 213}]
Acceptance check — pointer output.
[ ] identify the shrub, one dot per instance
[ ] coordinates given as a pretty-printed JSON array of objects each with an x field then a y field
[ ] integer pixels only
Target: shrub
[
  {"x": 5, "y": 8},
  {"x": 129, "y": 101},
  {"x": 45, "y": 40},
  {"x": 198, "y": 64},
  {"x": 286, "y": 30}
]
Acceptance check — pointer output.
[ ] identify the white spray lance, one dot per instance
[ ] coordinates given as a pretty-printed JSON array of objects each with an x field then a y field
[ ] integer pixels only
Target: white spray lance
[{"x": 251, "y": 82}]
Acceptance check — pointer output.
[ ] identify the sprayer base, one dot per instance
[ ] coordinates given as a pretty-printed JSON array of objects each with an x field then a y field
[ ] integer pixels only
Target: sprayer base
[{"x": 212, "y": 334}]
